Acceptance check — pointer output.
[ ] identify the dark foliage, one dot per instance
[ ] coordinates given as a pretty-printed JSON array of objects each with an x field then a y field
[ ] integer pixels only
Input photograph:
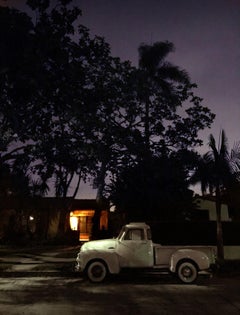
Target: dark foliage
[
  {"x": 154, "y": 189},
  {"x": 69, "y": 111}
]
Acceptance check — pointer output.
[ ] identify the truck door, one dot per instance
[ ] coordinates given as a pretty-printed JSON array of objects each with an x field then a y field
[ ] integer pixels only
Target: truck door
[{"x": 135, "y": 249}]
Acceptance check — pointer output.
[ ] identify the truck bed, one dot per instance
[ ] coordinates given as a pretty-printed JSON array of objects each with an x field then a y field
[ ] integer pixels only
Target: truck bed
[{"x": 162, "y": 254}]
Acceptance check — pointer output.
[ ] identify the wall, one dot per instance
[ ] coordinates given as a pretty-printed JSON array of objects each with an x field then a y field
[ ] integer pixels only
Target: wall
[
  {"x": 232, "y": 252},
  {"x": 206, "y": 204}
]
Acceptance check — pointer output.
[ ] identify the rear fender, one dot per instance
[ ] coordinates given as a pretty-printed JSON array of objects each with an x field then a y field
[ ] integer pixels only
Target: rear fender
[{"x": 200, "y": 259}]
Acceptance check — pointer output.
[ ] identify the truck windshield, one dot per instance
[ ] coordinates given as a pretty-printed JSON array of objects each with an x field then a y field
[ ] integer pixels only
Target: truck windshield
[{"x": 121, "y": 233}]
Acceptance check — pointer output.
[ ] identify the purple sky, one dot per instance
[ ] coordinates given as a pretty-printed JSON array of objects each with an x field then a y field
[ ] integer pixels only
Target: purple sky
[{"x": 206, "y": 34}]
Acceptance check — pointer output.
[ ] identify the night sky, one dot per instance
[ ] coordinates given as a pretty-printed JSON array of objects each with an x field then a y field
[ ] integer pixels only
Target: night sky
[{"x": 206, "y": 35}]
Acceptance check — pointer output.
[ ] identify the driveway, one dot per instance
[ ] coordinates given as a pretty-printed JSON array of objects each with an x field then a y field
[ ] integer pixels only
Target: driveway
[{"x": 37, "y": 259}]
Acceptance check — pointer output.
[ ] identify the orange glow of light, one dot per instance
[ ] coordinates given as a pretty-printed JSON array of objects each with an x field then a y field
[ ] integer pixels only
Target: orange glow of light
[{"x": 82, "y": 213}]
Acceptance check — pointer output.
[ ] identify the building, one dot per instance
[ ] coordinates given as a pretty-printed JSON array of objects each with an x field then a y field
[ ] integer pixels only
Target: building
[
  {"x": 52, "y": 218},
  {"x": 206, "y": 209}
]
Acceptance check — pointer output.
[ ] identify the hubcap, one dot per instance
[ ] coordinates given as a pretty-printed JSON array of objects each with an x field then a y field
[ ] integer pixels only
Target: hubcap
[
  {"x": 187, "y": 272},
  {"x": 97, "y": 271}
]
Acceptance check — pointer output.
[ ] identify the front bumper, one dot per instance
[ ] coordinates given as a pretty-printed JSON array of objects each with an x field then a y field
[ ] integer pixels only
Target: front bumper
[{"x": 78, "y": 266}]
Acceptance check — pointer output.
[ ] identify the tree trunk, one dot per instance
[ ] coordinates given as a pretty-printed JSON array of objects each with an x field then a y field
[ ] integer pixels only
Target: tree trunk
[
  {"x": 147, "y": 128},
  {"x": 220, "y": 246},
  {"x": 64, "y": 223},
  {"x": 101, "y": 181}
]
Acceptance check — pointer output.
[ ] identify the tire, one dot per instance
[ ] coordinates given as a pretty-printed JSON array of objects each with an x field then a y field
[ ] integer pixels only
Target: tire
[
  {"x": 187, "y": 272},
  {"x": 97, "y": 271}
]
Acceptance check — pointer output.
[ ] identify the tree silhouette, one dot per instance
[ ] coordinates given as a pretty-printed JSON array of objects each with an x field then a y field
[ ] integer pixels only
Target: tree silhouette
[
  {"x": 217, "y": 171},
  {"x": 49, "y": 92},
  {"x": 77, "y": 112},
  {"x": 160, "y": 114},
  {"x": 163, "y": 89},
  {"x": 155, "y": 189},
  {"x": 156, "y": 75}
]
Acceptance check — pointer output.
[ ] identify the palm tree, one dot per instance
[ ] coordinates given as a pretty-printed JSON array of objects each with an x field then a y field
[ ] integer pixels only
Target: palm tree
[
  {"x": 156, "y": 74},
  {"x": 217, "y": 171}
]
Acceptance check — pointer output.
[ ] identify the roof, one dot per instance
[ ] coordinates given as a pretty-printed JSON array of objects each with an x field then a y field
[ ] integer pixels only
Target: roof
[
  {"x": 137, "y": 225},
  {"x": 209, "y": 198},
  {"x": 51, "y": 203}
]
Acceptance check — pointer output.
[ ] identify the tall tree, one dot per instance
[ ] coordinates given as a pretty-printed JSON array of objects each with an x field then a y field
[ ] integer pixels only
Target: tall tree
[
  {"x": 216, "y": 171},
  {"x": 156, "y": 75},
  {"x": 171, "y": 115},
  {"x": 49, "y": 91},
  {"x": 15, "y": 38},
  {"x": 158, "y": 113}
]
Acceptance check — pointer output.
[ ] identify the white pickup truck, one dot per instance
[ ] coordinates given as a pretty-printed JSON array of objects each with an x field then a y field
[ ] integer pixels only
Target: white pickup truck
[{"x": 133, "y": 248}]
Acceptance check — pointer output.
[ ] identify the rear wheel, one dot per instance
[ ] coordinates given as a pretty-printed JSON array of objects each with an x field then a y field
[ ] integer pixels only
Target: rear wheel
[
  {"x": 187, "y": 272},
  {"x": 96, "y": 271}
]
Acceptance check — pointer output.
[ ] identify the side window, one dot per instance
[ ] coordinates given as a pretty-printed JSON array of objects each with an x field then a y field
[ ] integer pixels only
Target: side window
[{"x": 134, "y": 235}]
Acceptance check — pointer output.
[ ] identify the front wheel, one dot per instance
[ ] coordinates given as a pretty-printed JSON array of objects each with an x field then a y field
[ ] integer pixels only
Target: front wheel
[
  {"x": 187, "y": 272},
  {"x": 96, "y": 271}
]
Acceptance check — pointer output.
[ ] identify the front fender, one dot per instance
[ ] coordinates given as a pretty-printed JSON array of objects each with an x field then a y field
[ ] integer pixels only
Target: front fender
[
  {"x": 110, "y": 258},
  {"x": 199, "y": 258}
]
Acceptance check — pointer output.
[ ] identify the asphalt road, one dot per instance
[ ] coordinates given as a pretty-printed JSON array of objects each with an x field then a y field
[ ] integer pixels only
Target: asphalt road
[
  {"x": 126, "y": 294},
  {"x": 41, "y": 281}
]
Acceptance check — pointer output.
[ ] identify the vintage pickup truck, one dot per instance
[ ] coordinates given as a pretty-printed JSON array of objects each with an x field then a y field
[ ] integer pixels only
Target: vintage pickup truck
[{"x": 133, "y": 248}]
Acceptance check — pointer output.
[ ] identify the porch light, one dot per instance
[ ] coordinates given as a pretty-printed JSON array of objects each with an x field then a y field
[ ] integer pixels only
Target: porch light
[{"x": 74, "y": 223}]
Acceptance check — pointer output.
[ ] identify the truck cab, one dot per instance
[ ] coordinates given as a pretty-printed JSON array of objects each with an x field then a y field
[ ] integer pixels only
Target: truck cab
[{"x": 135, "y": 247}]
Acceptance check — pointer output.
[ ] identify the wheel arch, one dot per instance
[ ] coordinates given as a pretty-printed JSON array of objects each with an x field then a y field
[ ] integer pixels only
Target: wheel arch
[
  {"x": 109, "y": 260},
  {"x": 199, "y": 259}
]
